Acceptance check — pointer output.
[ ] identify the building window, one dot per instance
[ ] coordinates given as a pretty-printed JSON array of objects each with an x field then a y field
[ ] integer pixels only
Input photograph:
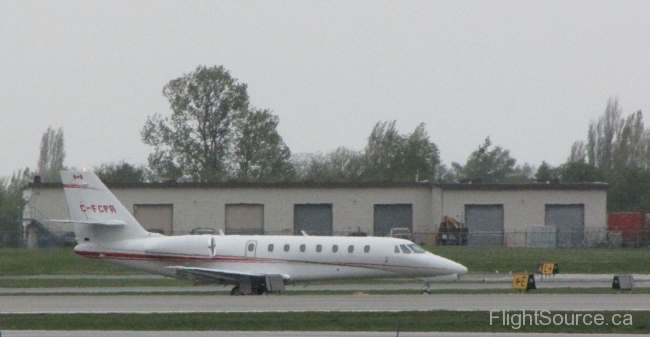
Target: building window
[
  {"x": 366, "y": 249},
  {"x": 286, "y": 248},
  {"x": 335, "y": 248},
  {"x": 270, "y": 247},
  {"x": 302, "y": 248},
  {"x": 319, "y": 248},
  {"x": 350, "y": 249}
]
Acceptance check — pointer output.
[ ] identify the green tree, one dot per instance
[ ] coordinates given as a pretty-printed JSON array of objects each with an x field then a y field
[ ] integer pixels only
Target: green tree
[
  {"x": 579, "y": 172},
  {"x": 341, "y": 164},
  {"x": 578, "y": 152},
  {"x": 260, "y": 153},
  {"x": 485, "y": 165},
  {"x": 195, "y": 142},
  {"x": 608, "y": 139},
  {"x": 392, "y": 156},
  {"x": 11, "y": 205},
  {"x": 51, "y": 156},
  {"x": 631, "y": 148},
  {"x": 521, "y": 174},
  {"x": 445, "y": 174},
  {"x": 546, "y": 172},
  {"x": 388, "y": 156},
  {"x": 617, "y": 152},
  {"x": 629, "y": 191},
  {"x": 122, "y": 172}
]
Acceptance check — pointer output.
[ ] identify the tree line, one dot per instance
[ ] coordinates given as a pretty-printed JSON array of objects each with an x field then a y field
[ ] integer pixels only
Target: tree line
[{"x": 214, "y": 134}]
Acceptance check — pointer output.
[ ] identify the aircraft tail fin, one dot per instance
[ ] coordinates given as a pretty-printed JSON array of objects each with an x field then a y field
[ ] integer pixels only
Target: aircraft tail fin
[{"x": 96, "y": 213}]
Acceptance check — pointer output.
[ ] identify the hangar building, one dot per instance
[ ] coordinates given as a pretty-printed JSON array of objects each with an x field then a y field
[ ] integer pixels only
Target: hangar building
[{"x": 512, "y": 215}]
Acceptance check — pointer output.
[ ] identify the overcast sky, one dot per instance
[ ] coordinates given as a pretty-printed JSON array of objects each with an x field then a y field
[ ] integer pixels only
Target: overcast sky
[{"x": 529, "y": 74}]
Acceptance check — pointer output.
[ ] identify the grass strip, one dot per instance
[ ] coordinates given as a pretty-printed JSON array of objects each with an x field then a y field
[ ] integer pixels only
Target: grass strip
[
  {"x": 63, "y": 261},
  {"x": 574, "y": 260},
  {"x": 451, "y": 321},
  {"x": 86, "y": 283},
  {"x": 55, "y": 261}
]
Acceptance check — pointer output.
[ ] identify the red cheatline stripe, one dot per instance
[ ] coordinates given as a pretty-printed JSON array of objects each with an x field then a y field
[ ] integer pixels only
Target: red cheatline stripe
[{"x": 177, "y": 258}]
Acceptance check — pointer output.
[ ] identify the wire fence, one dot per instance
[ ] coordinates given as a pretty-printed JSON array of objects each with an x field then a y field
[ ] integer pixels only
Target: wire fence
[{"x": 530, "y": 238}]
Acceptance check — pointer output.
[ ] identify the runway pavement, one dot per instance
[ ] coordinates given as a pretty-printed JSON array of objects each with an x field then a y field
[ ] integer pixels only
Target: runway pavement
[
  {"x": 317, "y": 303},
  {"x": 466, "y": 282},
  {"x": 31, "y": 333}
]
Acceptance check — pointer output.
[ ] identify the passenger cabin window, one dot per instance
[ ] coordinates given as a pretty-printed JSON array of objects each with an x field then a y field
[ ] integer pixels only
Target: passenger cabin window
[
  {"x": 405, "y": 249},
  {"x": 366, "y": 249},
  {"x": 286, "y": 248},
  {"x": 270, "y": 247},
  {"x": 396, "y": 249},
  {"x": 251, "y": 247},
  {"x": 350, "y": 249},
  {"x": 417, "y": 249},
  {"x": 319, "y": 248},
  {"x": 302, "y": 248},
  {"x": 335, "y": 248}
]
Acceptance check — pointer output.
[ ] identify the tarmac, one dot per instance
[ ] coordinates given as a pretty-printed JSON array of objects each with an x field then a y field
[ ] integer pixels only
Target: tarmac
[{"x": 464, "y": 282}]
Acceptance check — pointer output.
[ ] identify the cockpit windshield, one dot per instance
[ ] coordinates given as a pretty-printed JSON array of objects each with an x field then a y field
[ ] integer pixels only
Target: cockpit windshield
[
  {"x": 405, "y": 250},
  {"x": 417, "y": 249}
]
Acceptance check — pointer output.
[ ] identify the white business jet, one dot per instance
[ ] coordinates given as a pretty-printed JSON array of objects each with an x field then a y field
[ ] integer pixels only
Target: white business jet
[{"x": 254, "y": 264}]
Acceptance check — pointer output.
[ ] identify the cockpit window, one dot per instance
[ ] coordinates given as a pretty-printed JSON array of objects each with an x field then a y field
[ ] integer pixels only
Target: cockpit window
[
  {"x": 396, "y": 249},
  {"x": 417, "y": 249},
  {"x": 405, "y": 249}
]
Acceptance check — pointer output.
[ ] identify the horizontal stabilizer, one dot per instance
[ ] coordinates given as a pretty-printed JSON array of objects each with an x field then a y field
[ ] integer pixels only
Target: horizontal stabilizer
[{"x": 100, "y": 223}]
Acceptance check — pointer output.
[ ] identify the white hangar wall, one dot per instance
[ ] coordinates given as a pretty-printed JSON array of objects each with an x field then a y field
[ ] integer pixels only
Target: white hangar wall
[
  {"x": 525, "y": 210},
  {"x": 352, "y": 209},
  {"x": 353, "y": 206},
  {"x": 44, "y": 204}
]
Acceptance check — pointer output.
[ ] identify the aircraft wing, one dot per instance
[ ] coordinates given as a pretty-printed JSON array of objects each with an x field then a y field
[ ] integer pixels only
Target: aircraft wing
[{"x": 219, "y": 275}]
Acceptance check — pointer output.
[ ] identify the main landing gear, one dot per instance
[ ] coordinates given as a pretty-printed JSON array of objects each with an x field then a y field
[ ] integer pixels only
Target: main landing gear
[{"x": 236, "y": 291}]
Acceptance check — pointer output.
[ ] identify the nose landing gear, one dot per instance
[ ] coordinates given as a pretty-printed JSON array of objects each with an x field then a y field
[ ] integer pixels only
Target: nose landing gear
[{"x": 427, "y": 291}]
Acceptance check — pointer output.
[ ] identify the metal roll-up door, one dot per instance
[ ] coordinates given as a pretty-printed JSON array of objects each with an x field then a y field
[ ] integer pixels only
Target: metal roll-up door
[
  {"x": 484, "y": 224},
  {"x": 388, "y": 216},
  {"x": 569, "y": 222},
  {"x": 155, "y": 217},
  {"x": 245, "y": 219},
  {"x": 315, "y": 219}
]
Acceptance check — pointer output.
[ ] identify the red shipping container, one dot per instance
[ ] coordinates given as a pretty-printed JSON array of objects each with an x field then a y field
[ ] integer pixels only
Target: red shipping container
[{"x": 629, "y": 224}]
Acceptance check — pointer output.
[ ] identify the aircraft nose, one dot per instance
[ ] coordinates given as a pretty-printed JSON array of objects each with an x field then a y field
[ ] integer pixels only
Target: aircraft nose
[
  {"x": 454, "y": 267},
  {"x": 460, "y": 269}
]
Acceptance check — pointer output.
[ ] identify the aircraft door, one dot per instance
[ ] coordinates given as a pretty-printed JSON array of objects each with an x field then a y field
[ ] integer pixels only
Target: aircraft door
[
  {"x": 213, "y": 246},
  {"x": 251, "y": 248}
]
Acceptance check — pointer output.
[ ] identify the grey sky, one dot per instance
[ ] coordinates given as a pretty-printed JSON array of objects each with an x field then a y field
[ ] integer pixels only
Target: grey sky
[{"x": 531, "y": 75}]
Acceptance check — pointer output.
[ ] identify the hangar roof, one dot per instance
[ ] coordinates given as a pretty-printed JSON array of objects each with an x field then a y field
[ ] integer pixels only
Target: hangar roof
[{"x": 343, "y": 185}]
